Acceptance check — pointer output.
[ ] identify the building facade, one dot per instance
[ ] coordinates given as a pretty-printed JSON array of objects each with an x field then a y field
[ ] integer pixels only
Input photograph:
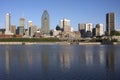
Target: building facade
[
  {"x": 20, "y": 30},
  {"x": 8, "y": 25},
  {"x": 99, "y": 30},
  {"x": 65, "y": 25},
  {"x": 89, "y": 27},
  {"x": 30, "y": 24},
  {"x": 61, "y": 24},
  {"x": 32, "y": 30},
  {"x": 81, "y": 26},
  {"x": 22, "y": 22},
  {"x": 110, "y": 23},
  {"x": 13, "y": 29},
  {"x": 45, "y": 23},
  {"x": 86, "y": 29}
]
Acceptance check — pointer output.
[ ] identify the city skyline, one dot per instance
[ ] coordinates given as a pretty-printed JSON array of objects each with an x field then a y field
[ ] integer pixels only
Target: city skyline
[{"x": 78, "y": 11}]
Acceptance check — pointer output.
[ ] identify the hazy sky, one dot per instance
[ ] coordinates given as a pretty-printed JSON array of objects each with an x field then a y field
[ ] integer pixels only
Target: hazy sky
[{"x": 78, "y": 11}]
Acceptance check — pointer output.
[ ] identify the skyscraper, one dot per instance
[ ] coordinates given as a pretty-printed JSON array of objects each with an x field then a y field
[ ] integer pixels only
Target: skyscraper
[
  {"x": 13, "y": 29},
  {"x": 81, "y": 26},
  {"x": 21, "y": 28},
  {"x": 99, "y": 30},
  {"x": 30, "y": 23},
  {"x": 65, "y": 24},
  {"x": 45, "y": 23},
  {"x": 7, "y": 24},
  {"x": 22, "y": 22},
  {"x": 110, "y": 23},
  {"x": 89, "y": 27},
  {"x": 86, "y": 29}
]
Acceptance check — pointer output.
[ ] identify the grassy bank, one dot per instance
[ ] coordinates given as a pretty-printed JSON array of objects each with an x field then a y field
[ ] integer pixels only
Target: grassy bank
[{"x": 29, "y": 40}]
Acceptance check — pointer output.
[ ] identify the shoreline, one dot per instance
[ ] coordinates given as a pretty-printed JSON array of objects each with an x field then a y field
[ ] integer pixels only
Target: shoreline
[
  {"x": 59, "y": 43},
  {"x": 25, "y": 43}
]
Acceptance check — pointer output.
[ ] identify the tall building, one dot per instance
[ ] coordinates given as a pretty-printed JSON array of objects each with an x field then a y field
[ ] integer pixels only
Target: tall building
[
  {"x": 81, "y": 27},
  {"x": 65, "y": 24},
  {"x": 61, "y": 24},
  {"x": 45, "y": 23},
  {"x": 89, "y": 27},
  {"x": 110, "y": 23},
  {"x": 85, "y": 29},
  {"x": 22, "y": 22},
  {"x": 7, "y": 24},
  {"x": 21, "y": 28},
  {"x": 13, "y": 29},
  {"x": 30, "y": 23},
  {"x": 99, "y": 30}
]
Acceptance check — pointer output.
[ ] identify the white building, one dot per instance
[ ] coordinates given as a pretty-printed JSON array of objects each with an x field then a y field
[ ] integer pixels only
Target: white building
[
  {"x": 30, "y": 23},
  {"x": 99, "y": 30},
  {"x": 89, "y": 27},
  {"x": 8, "y": 25},
  {"x": 61, "y": 24},
  {"x": 65, "y": 24},
  {"x": 85, "y": 29}
]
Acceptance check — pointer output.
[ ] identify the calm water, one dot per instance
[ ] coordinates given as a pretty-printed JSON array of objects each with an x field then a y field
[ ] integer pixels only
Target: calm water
[{"x": 55, "y": 62}]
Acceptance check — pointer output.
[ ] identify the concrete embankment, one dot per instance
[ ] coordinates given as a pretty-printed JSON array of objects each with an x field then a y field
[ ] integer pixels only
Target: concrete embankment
[
  {"x": 115, "y": 43},
  {"x": 90, "y": 43},
  {"x": 49, "y": 43},
  {"x": 10, "y": 43},
  {"x": 25, "y": 43}
]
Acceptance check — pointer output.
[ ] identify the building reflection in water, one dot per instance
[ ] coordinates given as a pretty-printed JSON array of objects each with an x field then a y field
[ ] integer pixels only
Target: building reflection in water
[
  {"x": 45, "y": 50},
  {"x": 7, "y": 58},
  {"x": 101, "y": 57},
  {"x": 66, "y": 58},
  {"x": 30, "y": 59},
  {"x": 88, "y": 55},
  {"x": 110, "y": 59},
  {"x": 21, "y": 58}
]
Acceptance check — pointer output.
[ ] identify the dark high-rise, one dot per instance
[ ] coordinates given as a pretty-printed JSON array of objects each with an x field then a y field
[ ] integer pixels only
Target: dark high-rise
[
  {"x": 45, "y": 23},
  {"x": 110, "y": 23}
]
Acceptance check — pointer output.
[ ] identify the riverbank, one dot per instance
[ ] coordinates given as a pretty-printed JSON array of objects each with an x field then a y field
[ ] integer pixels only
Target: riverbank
[
  {"x": 59, "y": 43},
  {"x": 25, "y": 43}
]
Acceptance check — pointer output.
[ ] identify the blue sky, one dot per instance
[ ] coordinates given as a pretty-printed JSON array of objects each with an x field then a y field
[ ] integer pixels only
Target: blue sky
[{"x": 78, "y": 11}]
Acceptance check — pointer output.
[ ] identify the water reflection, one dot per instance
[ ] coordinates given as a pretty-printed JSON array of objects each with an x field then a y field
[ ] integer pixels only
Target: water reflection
[
  {"x": 7, "y": 58},
  {"x": 41, "y": 61},
  {"x": 66, "y": 57},
  {"x": 102, "y": 56},
  {"x": 88, "y": 55},
  {"x": 110, "y": 58},
  {"x": 30, "y": 59},
  {"x": 65, "y": 61},
  {"x": 45, "y": 58}
]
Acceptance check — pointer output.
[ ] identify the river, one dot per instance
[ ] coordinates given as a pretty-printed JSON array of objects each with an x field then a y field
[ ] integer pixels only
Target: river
[{"x": 59, "y": 62}]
